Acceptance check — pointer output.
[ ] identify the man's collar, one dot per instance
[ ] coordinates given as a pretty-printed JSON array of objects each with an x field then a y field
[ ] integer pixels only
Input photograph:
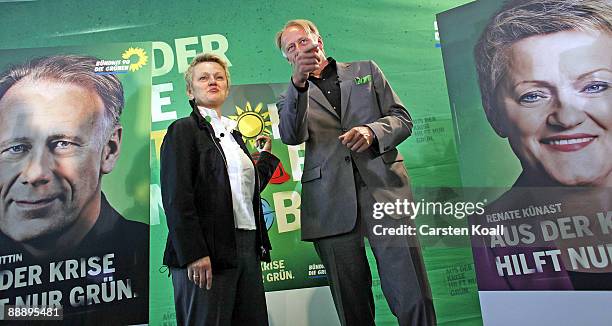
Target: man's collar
[
  {"x": 331, "y": 61},
  {"x": 329, "y": 70}
]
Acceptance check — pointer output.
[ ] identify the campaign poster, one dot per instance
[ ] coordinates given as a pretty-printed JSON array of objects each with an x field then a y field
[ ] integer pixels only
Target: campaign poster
[
  {"x": 528, "y": 83},
  {"x": 400, "y": 36},
  {"x": 74, "y": 181}
]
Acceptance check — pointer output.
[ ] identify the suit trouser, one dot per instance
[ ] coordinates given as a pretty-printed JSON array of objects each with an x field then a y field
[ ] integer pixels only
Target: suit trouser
[
  {"x": 400, "y": 266},
  {"x": 236, "y": 297}
]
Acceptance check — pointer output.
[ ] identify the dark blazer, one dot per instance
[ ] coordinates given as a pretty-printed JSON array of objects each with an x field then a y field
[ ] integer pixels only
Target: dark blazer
[
  {"x": 197, "y": 197},
  {"x": 329, "y": 197}
]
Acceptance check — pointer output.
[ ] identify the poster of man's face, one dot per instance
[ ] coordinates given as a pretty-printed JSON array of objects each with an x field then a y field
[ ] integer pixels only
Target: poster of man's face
[
  {"x": 61, "y": 132},
  {"x": 51, "y": 159}
]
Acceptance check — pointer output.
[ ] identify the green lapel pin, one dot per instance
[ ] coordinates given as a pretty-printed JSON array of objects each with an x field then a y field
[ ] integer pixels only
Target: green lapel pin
[{"x": 363, "y": 80}]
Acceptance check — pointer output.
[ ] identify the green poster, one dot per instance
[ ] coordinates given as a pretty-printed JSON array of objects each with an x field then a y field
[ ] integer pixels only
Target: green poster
[
  {"x": 531, "y": 110},
  {"x": 74, "y": 215}
]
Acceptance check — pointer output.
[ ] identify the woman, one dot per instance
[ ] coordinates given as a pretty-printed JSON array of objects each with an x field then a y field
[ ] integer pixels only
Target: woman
[
  {"x": 211, "y": 196},
  {"x": 545, "y": 71}
]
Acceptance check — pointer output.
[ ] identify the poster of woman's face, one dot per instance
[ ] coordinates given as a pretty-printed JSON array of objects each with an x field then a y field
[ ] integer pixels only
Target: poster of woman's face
[
  {"x": 541, "y": 110},
  {"x": 554, "y": 104}
]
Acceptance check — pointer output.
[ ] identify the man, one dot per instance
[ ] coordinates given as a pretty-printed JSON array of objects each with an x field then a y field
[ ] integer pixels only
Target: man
[
  {"x": 59, "y": 133},
  {"x": 351, "y": 122}
]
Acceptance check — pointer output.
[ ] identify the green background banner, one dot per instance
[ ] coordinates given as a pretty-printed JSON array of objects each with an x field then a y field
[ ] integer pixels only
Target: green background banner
[{"x": 401, "y": 36}]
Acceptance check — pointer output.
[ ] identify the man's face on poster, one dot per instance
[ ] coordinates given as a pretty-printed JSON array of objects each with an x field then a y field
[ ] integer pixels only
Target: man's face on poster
[
  {"x": 556, "y": 102},
  {"x": 51, "y": 158}
]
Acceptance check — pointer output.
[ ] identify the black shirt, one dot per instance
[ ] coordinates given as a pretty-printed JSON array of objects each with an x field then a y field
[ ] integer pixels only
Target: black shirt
[{"x": 328, "y": 83}]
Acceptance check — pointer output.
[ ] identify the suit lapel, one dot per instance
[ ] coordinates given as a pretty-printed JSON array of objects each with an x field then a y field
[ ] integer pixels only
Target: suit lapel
[
  {"x": 317, "y": 96},
  {"x": 345, "y": 76}
]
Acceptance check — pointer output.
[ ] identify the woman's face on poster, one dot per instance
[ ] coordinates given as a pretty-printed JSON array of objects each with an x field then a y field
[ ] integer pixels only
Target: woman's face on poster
[{"x": 555, "y": 103}]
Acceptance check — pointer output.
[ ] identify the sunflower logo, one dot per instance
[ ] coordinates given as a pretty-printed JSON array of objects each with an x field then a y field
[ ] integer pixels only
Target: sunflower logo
[
  {"x": 141, "y": 56},
  {"x": 252, "y": 122}
]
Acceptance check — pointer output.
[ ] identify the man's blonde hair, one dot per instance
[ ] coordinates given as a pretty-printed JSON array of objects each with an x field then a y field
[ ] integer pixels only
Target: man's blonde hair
[
  {"x": 205, "y": 57},
  {"x": 306, "y": 25}
]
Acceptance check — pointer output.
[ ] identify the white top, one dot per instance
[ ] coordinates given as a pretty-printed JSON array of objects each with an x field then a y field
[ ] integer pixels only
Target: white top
[{"x": 239, "y": 168}]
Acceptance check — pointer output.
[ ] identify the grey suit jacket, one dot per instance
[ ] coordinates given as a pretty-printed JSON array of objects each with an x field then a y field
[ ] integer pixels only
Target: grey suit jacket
[{"x": 329, "y": 199}]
